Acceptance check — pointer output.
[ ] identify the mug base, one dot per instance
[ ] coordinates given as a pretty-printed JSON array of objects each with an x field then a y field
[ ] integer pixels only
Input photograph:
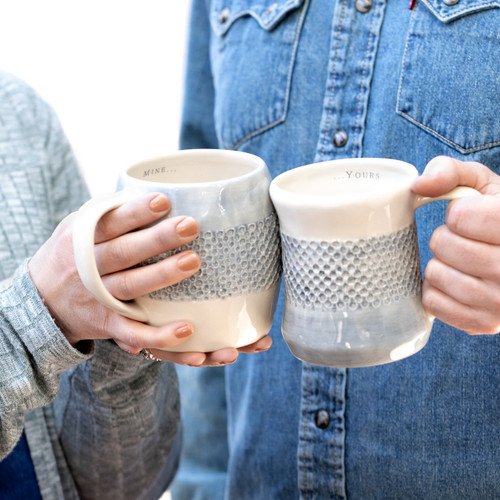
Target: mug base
[
  {"x": 361, "y": 338},
  {"x": 220, "y": 323},
  {"x": 349, "y": 358}
]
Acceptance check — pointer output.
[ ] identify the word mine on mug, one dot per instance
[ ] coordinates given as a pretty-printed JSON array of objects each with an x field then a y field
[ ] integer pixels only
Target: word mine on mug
[{"x": 231, "y": 300}]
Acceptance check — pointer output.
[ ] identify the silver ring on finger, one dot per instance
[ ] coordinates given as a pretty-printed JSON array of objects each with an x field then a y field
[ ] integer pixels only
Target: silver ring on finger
[{"x": 149, "y": 355}]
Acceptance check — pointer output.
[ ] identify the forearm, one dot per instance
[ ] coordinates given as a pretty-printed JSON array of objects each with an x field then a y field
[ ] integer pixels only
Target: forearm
[
  {"x": 117, "y": 419},
  {"x": 33, "y": 354}
]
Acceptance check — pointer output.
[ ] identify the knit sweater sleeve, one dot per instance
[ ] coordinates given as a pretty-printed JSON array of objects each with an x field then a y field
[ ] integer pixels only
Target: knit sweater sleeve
[
  {"x": 33, "y": 355},
  {"x": 113, "y": 429}
]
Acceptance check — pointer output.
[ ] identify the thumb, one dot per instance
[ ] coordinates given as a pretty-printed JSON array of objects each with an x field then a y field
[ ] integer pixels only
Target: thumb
[{"x": 444, "y": 173}]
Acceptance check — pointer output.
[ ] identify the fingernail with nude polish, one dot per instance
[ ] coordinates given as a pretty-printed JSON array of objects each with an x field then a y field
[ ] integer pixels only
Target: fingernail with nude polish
[
  {"x": 188, "y": 262},
  {"x": 187, "y": 227},
  {"x": 159, "y": 203},
  {"x": 183, "y": 331}
]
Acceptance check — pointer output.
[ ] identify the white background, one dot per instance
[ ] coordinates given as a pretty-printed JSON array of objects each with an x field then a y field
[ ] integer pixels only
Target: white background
[{"x": 112, "y": 70}]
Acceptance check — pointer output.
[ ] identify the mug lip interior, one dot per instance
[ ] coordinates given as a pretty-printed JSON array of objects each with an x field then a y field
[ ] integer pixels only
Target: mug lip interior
[
  {"x": 256, "y": 163},
  {"x": 279, "y": 191}
]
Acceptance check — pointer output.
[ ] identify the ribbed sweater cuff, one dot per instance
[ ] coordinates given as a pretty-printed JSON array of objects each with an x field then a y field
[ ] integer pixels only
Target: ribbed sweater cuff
[{"x": 23, "y": 308}]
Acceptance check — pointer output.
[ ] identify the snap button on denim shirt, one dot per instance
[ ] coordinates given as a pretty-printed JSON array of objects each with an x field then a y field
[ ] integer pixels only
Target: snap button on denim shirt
[{"x": 280, "y": 79}]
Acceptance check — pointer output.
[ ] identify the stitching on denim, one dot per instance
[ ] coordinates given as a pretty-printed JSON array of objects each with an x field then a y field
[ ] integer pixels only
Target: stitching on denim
[
  {"x": 334, "y": 76},
  {"x": 304, "y": 428},
  {"x": 413, "y": 120},
  {"x": 405, "y": 53},
  {"x": 458, "y": 12},
  {"x": 256, "y": 16},
  {"x": 282, "y": 118},
  {"x": 343, "y": 388},
  {"x": 444, "y": 139},
  {"x": 335, "y": 475},
  {"x": 363, "y": 75}
]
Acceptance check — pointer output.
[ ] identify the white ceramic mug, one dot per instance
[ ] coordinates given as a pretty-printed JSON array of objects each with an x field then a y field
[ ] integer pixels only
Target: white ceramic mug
[
  {"x": 231, "y": 300},
  {"x": 351, "y": 261}
]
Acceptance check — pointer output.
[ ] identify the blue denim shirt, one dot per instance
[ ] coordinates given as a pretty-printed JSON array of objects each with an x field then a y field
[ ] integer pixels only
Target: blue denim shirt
[{"x": 297, "y": 81}]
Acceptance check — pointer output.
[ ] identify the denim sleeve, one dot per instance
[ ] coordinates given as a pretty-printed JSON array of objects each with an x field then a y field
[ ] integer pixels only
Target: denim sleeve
[{"x": 202, "y": 471}]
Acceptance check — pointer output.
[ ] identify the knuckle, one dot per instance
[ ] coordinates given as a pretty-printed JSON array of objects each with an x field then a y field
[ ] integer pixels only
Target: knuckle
[
  {"x": 123, "y": 287},
  {"x": 160, "y": 236},
  {"x": 103, "y": 227},
  {"x": 428, "y": 302},
  {"x": 494, "y": 269},
  {"x": 116, "y": 255},
  {"x": 430, "y": 271},
  {"x": 456, "y": 218},
  {"x": 495, "y": 298},
  {"x": 436, "y": 275},
  {"x": 133, "y": 340},
  {"x": 431, "y": 299},
  {"x": 490, "y": 322},
  {"x": 119, "y": 253},
  {"x": 63, "y": 234},
  {"x": 166, "y": 276},
  {"x": 164, "y": 272},
  {"x": 492, "y": 329},
  {"x": 484, "y": 328},
  {"x": 104, "y": 319},
  {"x": 435, "y": 240},
  {"x": 475, "y": 290}
]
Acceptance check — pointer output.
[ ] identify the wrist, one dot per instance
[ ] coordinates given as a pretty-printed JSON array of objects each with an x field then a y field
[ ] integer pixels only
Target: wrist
[{"x": 85, "y": 346}]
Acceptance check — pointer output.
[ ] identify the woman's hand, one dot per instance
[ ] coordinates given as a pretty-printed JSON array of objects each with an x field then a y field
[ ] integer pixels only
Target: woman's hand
[
  {"x": 462, "y": 281},
  {"x": 122, "y": 241}
]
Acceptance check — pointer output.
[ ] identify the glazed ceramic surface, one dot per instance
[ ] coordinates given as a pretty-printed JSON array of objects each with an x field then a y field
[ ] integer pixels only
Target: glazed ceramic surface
[
  {"x": 231, "y": 299},
  {"x": 351, "y": 261}
]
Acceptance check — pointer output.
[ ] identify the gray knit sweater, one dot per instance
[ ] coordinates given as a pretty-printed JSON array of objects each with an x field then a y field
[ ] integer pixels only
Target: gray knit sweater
[{"x": 112, "y": 431}]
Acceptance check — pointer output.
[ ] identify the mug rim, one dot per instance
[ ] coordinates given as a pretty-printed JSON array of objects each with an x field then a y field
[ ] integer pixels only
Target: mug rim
[
  {"x": 257, "y": 163},
  {"x": 282, "y": 194}
]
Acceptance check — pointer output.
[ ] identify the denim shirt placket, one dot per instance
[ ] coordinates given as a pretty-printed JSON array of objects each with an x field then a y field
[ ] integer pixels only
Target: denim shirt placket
[{"x": 353, "y": 46}]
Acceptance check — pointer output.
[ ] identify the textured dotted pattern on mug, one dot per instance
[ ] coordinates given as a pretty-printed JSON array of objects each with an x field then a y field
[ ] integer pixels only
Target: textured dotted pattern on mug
[
  {"x": 354, "y": 274},
  {"x": 235, "y": 261}
]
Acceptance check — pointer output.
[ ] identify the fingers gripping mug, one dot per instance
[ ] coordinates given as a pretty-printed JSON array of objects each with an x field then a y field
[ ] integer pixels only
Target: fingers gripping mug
[
  {"x": 231, "y": 300},
  {"x": 351, "y": 261}
]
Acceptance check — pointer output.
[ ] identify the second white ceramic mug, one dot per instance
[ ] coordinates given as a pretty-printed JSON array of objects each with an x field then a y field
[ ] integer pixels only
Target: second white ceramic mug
[
  {"x": 351, "y": 261},
  {"x": 231, "y": 300}
]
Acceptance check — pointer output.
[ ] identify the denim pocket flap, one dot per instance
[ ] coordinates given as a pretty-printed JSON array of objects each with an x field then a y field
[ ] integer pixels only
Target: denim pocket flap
[
  {"x": 449, "y": 83},
  {"x": 267, "y": 13},
  {"x": 252, "y": 52},
  {"x": 447, "y": 13}
]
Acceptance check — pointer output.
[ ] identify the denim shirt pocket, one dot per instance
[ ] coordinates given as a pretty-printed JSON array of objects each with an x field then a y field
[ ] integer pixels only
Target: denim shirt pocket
[
  {"x": 450, "y": 78},
  {"x": 252, "y": 54}
]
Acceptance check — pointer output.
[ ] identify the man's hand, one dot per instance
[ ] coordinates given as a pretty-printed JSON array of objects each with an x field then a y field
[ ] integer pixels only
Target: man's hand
[{"x": 462, "y": 281}]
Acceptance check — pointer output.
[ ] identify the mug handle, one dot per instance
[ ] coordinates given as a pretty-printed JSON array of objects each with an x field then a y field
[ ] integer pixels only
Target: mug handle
[
  {"x": 86, "y": 219},
  {"x": 454, "y": 194}
]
